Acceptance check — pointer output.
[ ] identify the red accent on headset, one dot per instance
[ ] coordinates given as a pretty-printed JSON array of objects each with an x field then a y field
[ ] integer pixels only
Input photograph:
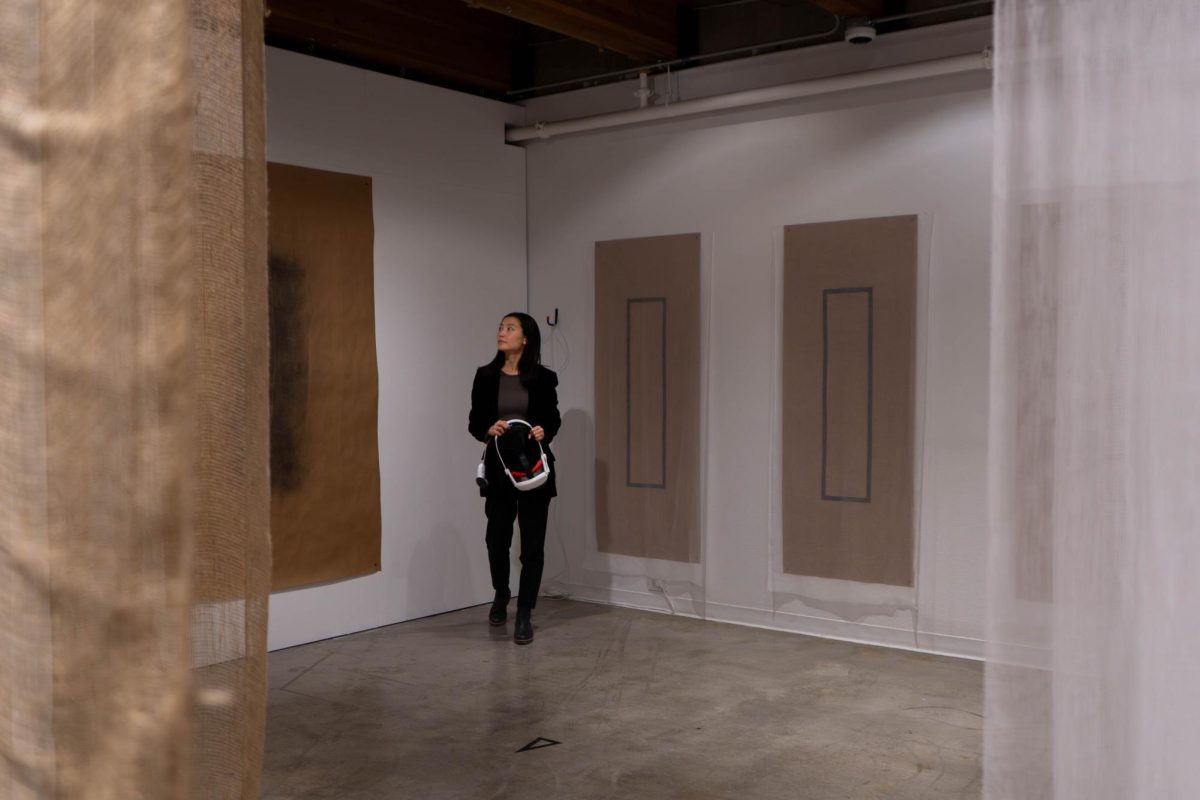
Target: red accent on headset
[{"x": 536, "y": 467}]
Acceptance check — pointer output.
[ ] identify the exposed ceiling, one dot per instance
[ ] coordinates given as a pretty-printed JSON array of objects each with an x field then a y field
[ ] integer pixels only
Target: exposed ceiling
[{"x": 514, "y": 49}]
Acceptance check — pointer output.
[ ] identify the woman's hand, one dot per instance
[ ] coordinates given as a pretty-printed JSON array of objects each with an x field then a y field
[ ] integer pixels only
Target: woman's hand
[
  {"x": 538, "y": 433},
  {"x": 498, "y": 429}
]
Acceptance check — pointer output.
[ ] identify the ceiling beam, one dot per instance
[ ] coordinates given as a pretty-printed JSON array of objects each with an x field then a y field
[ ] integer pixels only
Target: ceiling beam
[
  {"x": 852, "y": 8},
  {"x": 434, "y": 38},
  {"x": 645, "y": 30}
]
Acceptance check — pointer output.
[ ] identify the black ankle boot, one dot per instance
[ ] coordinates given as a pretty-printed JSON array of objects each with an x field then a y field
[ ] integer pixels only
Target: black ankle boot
[
  {"x": 523, "y": 630},
  {"x": 499, "y": 613}
]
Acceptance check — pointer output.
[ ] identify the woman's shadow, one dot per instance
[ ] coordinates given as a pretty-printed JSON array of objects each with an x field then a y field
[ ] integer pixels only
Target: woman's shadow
[{"x": 571, "y": 534}]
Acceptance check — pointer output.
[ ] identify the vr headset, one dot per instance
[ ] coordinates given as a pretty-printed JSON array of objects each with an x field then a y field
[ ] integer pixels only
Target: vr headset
[{"x": 522, "y": 457}]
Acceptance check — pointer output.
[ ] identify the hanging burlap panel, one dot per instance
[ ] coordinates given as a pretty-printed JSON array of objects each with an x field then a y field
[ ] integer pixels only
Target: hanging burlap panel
[
  {"x": 100, "y": 549},
  {"x": 232, "y": 561},
  {"x": 26, "y": 652},
  {"x": 132, "y": 404}
]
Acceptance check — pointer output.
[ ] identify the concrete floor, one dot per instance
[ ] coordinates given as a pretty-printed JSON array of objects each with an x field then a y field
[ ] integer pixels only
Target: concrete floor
[{"x": 644, "y": 705}]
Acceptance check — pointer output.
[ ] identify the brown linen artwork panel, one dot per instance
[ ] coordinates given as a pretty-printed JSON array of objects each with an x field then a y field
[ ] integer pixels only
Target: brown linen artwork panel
[
  {"x": 648, "y": 397},
  {"x": 849, "y": 333},
  {"x": 325, "y": 516}
]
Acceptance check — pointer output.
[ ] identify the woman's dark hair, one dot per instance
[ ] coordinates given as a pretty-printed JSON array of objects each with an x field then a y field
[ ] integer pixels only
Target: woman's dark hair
[{"x": 532, "y": 356}]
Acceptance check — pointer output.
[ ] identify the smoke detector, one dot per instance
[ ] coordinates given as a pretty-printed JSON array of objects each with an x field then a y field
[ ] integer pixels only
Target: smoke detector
[{"x": 860, "y": 33}]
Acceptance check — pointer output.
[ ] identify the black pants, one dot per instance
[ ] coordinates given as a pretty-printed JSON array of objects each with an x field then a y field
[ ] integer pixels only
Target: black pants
[{"x": 505, "y": 504}]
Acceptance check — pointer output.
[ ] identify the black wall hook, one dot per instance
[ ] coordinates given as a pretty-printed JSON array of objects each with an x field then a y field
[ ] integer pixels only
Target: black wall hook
[{"x": 554, "y": 323}]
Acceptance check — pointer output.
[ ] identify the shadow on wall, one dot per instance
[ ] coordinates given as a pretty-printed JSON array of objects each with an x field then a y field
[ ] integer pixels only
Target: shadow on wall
[
  {"x": 572, "y": 552},
  {"x": 567, "y": 534},
  {"x": 439, "y": 553}
]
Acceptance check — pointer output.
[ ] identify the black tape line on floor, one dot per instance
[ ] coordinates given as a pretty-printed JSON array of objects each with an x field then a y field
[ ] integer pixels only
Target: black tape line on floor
[{"x": 538, "y": 744}]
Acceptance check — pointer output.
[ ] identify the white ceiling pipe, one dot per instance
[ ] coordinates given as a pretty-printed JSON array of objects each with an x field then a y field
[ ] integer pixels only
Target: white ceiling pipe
[{"x": 756, "y": 97}]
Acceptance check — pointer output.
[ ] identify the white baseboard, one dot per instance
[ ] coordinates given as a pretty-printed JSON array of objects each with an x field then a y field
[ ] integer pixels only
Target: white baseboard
[{"x": 843, "y": 630}]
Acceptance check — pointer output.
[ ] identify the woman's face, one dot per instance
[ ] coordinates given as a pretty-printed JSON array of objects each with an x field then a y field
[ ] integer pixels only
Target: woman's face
[{"x": 511, "y": 337}]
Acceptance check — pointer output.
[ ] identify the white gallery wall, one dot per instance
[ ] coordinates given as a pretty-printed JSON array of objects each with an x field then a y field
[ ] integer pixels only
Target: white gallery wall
[
  {"x": 451, "y": 240},
  {"x": 449, "y": 200},
  {"x": 738, "y": 179}
]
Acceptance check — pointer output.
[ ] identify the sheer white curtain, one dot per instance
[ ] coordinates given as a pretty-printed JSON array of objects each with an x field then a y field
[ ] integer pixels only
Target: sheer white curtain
[{"x": 1093, "y": 686}]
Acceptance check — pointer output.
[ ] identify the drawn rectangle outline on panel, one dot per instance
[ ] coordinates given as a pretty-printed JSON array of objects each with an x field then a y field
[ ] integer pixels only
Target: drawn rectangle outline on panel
[
  {"x": 629, "y": 304},
  {"x": 869, "y": 292}
]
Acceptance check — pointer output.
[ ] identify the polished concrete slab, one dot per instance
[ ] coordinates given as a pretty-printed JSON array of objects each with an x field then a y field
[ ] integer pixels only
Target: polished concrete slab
[{"x": 642, "y": 705}]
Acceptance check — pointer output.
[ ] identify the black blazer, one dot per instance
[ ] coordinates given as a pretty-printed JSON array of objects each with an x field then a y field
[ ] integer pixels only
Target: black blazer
[{"x": 543, "y": 411}]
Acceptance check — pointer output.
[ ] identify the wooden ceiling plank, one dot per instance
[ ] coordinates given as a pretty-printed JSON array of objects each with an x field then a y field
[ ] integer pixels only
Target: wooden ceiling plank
[
  {"x": 643, "y": 30},
  {"x": 362, "y": 31},
  {"x": 452, "y": 15}
]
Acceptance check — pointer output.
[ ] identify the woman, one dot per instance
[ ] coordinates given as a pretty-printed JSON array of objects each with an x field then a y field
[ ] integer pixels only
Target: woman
[{"x": 515, "y": 385}]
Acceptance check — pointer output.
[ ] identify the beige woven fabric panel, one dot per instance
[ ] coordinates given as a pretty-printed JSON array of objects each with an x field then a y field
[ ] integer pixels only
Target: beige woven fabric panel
[
  {"x": 27, "y": 761},
  {"x": 133, "y": 538},
  {"x": 648, "y": 397},
  {"x": 232, "y": 546},
  {"x": 849, "y": 341},
  {"x": 325, "y": 513}
]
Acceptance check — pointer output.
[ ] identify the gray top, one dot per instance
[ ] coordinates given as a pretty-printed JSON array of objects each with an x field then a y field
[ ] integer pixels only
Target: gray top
[{"x": 514, "y": 398}]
